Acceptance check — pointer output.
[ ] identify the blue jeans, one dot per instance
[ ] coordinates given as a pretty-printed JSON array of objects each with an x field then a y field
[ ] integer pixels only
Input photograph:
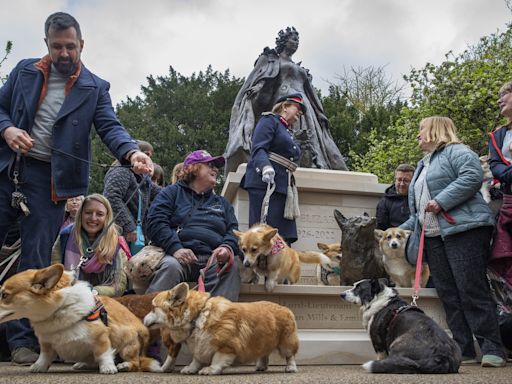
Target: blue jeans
[
  {"x": 458, "y": 267},
  {"x": 38, "y": 231}
]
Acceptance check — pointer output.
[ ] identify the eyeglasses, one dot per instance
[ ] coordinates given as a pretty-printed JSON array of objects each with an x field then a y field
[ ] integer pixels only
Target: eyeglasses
[
  {"x": 211, "y": 164},
  {"x": 403, "y": 181}
]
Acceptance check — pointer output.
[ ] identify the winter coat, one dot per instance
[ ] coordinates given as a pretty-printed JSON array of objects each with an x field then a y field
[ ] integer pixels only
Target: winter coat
[
  {"x": 209, "y": 221},
  {"x": 120, "y": 183},
  {"x": 454, "y": 178},
  {"x": 392, "y": 209},
  {"x": 87, "y": 105}
]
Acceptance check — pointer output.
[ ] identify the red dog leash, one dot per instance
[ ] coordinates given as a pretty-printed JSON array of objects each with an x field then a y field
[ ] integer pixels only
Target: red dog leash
[
  {"x": 419, "y": 262},
  {"x": 220, "y": 270}
]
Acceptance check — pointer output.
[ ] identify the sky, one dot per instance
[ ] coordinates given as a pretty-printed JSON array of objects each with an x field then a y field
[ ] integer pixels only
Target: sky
[{"x": 128, "y": 40}]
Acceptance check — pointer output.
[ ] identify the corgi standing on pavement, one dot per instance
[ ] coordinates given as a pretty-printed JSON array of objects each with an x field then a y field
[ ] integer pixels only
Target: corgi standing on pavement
[
  {"x": 72, "y": 322},
  {"x": 219, "y": 332},
  {"x": 267, "y": 253},
  {"x": 392, "y": 244}
]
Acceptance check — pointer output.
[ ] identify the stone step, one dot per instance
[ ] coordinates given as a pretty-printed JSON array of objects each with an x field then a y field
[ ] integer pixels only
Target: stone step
[
  {"x": 320, "y": 307},
  {"x": 330, "y": 329}
]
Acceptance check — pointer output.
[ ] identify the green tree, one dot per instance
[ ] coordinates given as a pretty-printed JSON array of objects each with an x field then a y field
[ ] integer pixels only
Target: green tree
[
  {"x": 8, "y": 48},
  {"x": 464, "y": 87},
  {"x": 363, "y": 100},
  {"x": 177, "y": 114}
]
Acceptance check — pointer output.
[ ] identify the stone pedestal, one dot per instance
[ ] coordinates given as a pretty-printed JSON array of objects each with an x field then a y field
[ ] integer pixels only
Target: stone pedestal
[
  {"x": 330, "y": 330},
  {"x": 320, "y": 192}
]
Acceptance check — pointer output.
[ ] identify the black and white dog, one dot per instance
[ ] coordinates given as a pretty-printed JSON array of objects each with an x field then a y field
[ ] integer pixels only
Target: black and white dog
[{"x": 404, "y": 338}]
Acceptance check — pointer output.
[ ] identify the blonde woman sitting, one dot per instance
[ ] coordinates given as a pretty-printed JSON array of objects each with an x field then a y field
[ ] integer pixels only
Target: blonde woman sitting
[{"x": 104, "y": 268}]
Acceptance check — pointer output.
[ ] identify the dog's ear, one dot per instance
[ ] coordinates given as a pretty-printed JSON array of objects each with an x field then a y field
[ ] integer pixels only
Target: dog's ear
[
  {"x": 340, "y": 219},
  {"x": 407, "y": 233},
  {"x": 237, "y": 233},
  {"x": 322, "y": 246},
  {"x": 270, "y": 234},
  {"x": 46, "y": 278},
  {"x": 385, "y": 282},
  {"x": 378, "y": 234},
  {"x": 177, "y": 295}
]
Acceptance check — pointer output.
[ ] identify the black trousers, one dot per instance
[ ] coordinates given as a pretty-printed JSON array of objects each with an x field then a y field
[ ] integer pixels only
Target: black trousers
[{"x": 458, "y": 266}]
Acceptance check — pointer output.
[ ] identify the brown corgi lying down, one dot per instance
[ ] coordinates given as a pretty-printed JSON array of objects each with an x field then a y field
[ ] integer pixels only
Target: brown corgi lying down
[
  {"x": 392, "y": 244},
  {"x": 220, "y": 333},
  {"x": 72, "y": 322},
  {"x": 268, "y": 255},
  {"x": 329, "y": 274},
  {"x": 140, "y": 306}
]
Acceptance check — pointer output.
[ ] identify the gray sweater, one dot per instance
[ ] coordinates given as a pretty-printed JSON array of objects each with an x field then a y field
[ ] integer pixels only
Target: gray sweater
[{"x": 119, "y": 184}]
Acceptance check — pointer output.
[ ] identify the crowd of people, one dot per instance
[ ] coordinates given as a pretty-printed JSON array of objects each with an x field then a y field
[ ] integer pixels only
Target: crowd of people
[{"x": 43, "y": 190}]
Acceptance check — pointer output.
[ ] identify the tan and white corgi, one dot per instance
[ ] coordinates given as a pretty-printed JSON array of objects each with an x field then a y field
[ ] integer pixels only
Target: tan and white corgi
[
  {"x": 72, "y": 322},
  {"x": 268, "y": 255},
  {"x": 329, "y": 274},
  {"x": 392, "y": 244},
  {"x": 219, "y": 332}
]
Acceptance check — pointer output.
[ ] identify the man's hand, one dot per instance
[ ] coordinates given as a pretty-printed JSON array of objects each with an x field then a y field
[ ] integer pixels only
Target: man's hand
[
  {"x": 141, "y": 163},
  {"x": 18, "y": 140},
  {"x": 185, "y": 256},
  {"x": 221, "y": 254}
]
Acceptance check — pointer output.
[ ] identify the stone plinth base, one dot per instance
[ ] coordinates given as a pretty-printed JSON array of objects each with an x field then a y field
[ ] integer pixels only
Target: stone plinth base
[{"x": 330, "y": 329}]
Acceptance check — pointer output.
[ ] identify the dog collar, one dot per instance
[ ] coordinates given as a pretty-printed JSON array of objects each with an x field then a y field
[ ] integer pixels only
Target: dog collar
[
  {"x": 324, "y": 273},
  {"x": 99, "y": 312}
]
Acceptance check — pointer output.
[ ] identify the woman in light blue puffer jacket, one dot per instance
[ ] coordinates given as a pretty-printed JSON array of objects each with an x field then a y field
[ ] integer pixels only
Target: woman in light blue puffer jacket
[{"x": 458, "y": 228}]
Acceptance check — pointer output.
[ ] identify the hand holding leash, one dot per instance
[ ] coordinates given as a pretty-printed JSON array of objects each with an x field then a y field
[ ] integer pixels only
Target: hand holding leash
[
  {"x": 141, "y": 163},
  {"x": 268, "y": 174}
]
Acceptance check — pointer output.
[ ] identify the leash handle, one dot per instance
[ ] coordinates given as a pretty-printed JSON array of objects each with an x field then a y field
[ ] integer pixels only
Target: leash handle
[{"x": 266, "y": 202}]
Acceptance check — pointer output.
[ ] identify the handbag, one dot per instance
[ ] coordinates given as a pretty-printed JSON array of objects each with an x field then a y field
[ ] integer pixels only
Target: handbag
[
  {"x": 413, "y": 244},
  {"x": 139, "y": 242}
]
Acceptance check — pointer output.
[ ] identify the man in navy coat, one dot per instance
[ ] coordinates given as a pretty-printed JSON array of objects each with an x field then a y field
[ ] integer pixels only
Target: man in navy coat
[{"x": 47, "y": 109}]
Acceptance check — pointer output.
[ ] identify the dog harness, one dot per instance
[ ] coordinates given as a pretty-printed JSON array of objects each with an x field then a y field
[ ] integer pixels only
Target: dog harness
[
  {"x": 98, "y": 312},
  {"x": 402, "y": 309},
  {"x": 277, "y": 246}
]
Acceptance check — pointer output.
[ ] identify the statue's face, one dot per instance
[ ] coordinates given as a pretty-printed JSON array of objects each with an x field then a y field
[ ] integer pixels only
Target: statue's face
[{"x": 292, "y": 43}]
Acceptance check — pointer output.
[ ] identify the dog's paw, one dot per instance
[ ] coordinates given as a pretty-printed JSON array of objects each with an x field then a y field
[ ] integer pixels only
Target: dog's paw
[
  {"x": 125, "y": 366},
  {"x": 210, "y": 371},
  {"x": 188, "y": 370},
  {"x": 108, "y": 369},
  {"x": 169, "y": 364},
  {"x": 368, "y": 366},
  {"x": 270, "y": 285},
  {"x": 83, "y": 366},
  {"x": 39, "y": 367}
]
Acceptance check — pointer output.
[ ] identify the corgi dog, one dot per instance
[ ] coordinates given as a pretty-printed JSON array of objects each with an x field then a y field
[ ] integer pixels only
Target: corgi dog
[
  {"x": 392, "y": 244},
  {"x": 219, "y": 332},
  {"x": 140, "y": 306},
  {"x": 268, "y": 255},
  {"x": 72, "y": 322},
  {"x": 329, "y": 274},
  {"x": 404, "y": 338}
]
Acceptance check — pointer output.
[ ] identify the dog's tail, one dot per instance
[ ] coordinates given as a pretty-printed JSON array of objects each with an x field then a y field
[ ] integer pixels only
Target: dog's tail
[
  {"x": 402, "y": 364},
  {"x": 312, "y": 257}
]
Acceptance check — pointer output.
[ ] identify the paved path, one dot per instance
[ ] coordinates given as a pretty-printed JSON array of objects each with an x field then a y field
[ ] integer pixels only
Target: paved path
[{"x": 63, "y": 374}]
